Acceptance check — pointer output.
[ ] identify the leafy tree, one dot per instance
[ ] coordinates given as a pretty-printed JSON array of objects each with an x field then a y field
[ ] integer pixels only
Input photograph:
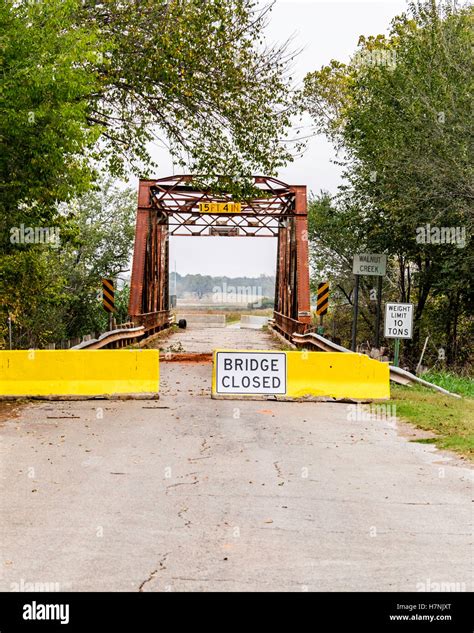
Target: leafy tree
[
  {"x": 88, "y": 86},
  {"x": 54, "y": 293},
  {"x": 195, "y": 74},
  {"x": 401, "y": 110},
  {"x": 47, "y": 79},
  {"x": 337, "y": 230},
  {"x": 98, "y": 319},
  {"x": 200, "y": 284},
  {"x": 33, "y": 296},
  {"x": 101, "y": 247},
  {"x": 264, "y": 284},
  {"x": 45, "y": 143}
]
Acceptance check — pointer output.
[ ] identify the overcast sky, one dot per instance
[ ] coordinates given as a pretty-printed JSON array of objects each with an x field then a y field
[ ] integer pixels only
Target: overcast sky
[{"x": 325, "y": 30}]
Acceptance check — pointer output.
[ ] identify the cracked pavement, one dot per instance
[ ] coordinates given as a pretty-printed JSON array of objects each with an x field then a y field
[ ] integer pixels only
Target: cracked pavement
[{"x": 194, "y": 494}]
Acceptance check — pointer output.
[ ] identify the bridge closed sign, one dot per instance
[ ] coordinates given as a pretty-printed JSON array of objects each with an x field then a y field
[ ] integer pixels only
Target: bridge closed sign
[
  {"x": 252, "y": 373},
  {"x": 398, "y": 320}
]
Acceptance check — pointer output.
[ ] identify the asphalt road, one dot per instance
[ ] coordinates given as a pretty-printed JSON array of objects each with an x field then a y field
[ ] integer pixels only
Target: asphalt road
[{"x": 188, "y": 493}]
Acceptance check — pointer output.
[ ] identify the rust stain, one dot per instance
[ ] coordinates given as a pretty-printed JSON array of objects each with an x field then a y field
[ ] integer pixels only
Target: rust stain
[{"x": 197, "y": 358}]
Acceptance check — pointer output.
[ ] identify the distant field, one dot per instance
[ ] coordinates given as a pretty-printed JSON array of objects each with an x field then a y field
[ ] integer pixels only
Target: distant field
[{"x": 231, "y": 313}]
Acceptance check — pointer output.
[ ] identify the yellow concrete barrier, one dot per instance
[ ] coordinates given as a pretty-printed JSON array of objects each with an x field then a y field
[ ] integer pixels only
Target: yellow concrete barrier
[
  {"x": 298, "y": 375},
  {"x": 79, "y": 373}
]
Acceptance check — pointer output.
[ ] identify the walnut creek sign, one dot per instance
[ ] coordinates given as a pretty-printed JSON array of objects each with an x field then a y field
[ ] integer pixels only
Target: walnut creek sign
[
  {"x": 369, "y": 264},
  {"x": 373, "y": 264}
]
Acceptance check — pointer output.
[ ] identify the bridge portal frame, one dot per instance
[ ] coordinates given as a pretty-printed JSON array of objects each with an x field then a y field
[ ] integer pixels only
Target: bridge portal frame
[{"x": 170, "y": 206}]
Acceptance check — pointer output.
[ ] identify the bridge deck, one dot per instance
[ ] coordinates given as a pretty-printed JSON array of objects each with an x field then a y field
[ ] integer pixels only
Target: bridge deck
[
  {"x": 202, "y": 340},
  {"x": 188, "y": 493}
]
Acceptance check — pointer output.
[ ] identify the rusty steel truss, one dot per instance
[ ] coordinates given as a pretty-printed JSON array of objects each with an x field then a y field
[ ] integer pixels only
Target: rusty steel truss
[{"x": 170, "y": 206}]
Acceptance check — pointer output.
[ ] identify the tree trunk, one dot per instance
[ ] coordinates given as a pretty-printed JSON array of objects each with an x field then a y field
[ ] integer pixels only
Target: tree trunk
[
  {"x": 451, "y": 328},
  {"x": 412, "y": 348}
]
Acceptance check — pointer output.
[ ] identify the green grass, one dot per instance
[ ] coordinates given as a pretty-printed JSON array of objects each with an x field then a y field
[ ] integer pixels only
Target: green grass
[
  {"x": 451, "y": 419},
  {"x": 232, "y": 317},
  {"x": 452, "y": 382}
]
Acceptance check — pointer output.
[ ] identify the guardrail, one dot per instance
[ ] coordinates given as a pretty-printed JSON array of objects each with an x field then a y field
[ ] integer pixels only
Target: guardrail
[
  {"x": 153, "y": 322},
  {"x": 127, "y": 333},
  {"x": 116, "y": 338},
  {"x": 288, "y": 326},
  {"x": 397, "y": 375}
]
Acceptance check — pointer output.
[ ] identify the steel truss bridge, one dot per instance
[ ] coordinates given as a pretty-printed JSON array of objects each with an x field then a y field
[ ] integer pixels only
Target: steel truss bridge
[{"x": 171, "y": 206}]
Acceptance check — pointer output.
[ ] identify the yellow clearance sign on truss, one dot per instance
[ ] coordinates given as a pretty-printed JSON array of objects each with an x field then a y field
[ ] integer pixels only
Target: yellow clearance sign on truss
[{"x": 220, "y": 207}]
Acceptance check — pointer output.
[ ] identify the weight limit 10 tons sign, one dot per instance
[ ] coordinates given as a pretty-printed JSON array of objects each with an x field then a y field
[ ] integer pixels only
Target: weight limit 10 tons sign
[
  {"x": 398, "y": 320},
  {"x": 252, "y": 373}
]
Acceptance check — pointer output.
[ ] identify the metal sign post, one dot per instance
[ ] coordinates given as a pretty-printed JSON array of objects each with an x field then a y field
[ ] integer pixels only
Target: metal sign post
[
  {"x": 355, "y": 314},
  {"x": 379, "y": 312},
  {"x": 368, "y": 264},
  {"x": 10, "y": 331},
  {"x": 396, "y": 352}
]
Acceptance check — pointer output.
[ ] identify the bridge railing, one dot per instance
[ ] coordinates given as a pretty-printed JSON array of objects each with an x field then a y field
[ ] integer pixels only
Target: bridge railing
[
  {"x": 153, "y": 321},
  {"x": 289, "y": 326},
  {"x": 398, "y": 375},
  {"x": 122, "y": 334},
  {"x": 118, "y": 338}
]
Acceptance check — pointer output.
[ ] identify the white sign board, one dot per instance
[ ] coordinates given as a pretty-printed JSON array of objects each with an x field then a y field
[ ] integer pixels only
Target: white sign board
[
  {"x": 250, "y": 372},
  {"x": 398, "y": 320},
  {"x": 369, "y": 264}
]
